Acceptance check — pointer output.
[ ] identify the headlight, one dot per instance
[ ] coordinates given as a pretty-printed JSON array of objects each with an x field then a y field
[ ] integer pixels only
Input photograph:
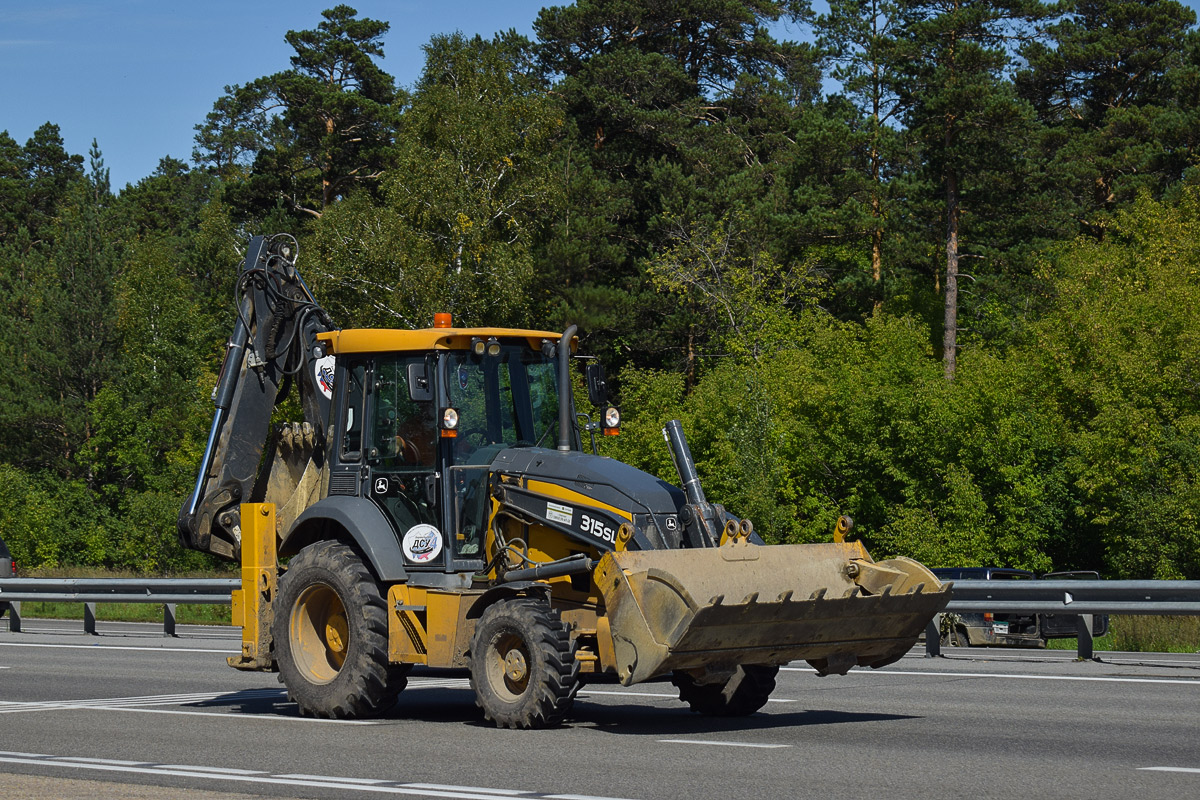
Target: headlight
[
  {"x": 449, "y": 422},
  {"x": 612, "y": 419}
]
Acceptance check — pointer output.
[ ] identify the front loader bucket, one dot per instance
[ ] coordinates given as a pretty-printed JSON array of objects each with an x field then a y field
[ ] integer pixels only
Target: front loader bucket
[{"x": 710, "y": 610}]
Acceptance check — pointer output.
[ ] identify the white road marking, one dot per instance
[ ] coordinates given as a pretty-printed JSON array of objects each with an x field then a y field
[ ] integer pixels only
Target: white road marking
[
  {"x": 8, "y": 706},
  {"x": 222, "y": 770},
  {"x": 307, "y": 781},
  {"x": 722, "y": 744},
  {"x": 443, "y": 787},
  {"x": 1009, "y": 676},
  {"x": 439, "y": 683},
  {"x": 221, "y": 715},
  {"x": 138, "y": 705},
  {"x": 1170, "y": 769},
  {"x": 95, "y": 647},
  {"x": 1067, "y": 656},
  {"x": 586, "y": 692},
  {"x": 302, "y": 777}
]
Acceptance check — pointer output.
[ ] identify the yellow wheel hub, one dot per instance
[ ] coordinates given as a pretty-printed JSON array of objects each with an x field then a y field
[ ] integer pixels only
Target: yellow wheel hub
[
  {"x": 515, "y": 666},
  {"x": 320, "y": 635},
  {"x": 508, "y": 667},
  {"x": 336, "y": 634}
]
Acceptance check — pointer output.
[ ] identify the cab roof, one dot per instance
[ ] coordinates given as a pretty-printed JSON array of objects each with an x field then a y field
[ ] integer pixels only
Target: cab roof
[{"x": 384, "y": 340}]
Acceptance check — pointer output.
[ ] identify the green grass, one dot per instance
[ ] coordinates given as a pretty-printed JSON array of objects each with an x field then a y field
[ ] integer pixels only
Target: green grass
[
  {"x": 129, "y": 612},
  {"x": 1144, "y": 634}
]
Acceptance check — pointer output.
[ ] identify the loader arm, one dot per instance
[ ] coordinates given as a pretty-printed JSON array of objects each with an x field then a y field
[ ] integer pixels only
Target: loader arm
[{"x": 273, "y": 346}]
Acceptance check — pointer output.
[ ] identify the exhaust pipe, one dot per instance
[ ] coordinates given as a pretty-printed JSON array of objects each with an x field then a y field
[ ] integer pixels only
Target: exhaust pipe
[{"x": 564, "y": 389}]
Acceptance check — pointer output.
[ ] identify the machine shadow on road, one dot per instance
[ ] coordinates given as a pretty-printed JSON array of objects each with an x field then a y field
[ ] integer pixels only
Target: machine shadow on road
[
  {"x": 644, "y": 720},
  {"x": 457, "y": 705}
]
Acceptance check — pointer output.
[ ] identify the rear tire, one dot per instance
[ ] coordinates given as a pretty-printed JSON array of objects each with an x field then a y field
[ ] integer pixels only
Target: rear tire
[
  {"x": 746, "y": 691},
  {"x": 523, "y": 666},
  {"x": 330, "y": 633}
]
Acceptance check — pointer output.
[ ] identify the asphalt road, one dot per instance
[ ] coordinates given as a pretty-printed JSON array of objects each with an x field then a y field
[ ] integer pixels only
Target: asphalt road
[{"x": 131, "y": 714}]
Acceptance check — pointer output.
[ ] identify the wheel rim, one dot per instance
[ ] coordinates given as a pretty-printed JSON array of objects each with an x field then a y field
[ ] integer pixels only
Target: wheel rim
[
  {"x": 508, "y": 666},
  {"x": 319, "y": 633}
]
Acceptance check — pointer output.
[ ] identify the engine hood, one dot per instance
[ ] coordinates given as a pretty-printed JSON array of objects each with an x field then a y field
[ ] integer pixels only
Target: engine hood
[{"x": 594, "y": 484}]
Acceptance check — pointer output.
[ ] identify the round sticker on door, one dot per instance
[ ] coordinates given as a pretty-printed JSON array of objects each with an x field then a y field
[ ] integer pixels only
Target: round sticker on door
[
  {"x": 422, "y": 543},
  {"x": 324, "y": 375}
]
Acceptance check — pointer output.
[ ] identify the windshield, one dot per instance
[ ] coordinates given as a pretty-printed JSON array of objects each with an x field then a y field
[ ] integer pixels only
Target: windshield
[{"x": 503, "y": 400}]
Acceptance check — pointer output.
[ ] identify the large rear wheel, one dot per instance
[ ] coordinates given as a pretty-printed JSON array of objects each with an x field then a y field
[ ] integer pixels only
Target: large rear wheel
[
  {"x": 330, "y": 633},
  {"x": 746, "y": 691},
  {"x": 523, "y": 666}
]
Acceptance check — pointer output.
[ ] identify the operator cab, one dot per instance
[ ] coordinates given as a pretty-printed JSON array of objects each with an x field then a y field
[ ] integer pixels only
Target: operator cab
[{"x": 419, "y": 417}]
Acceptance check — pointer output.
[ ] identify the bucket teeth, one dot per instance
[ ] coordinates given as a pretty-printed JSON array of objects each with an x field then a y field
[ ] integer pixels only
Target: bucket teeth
[{"x": 750, "y": 599}]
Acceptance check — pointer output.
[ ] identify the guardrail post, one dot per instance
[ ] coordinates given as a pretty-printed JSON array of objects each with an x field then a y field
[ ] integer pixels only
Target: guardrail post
[
  {"x": 1083, "y": 623},
  {"x": 89, "y": 618},
  {"x": 14, "y": 616},
  {"x": 933, "y": 637},
  {"x": 168, "y": 619}
]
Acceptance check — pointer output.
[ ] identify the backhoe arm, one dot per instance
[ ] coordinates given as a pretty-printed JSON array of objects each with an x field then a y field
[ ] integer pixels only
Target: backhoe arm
[{"x": 273, "y": 346}]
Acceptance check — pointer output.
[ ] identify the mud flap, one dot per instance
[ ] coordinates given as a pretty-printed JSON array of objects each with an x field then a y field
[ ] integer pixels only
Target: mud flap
[{"x": 709, "y": 610}]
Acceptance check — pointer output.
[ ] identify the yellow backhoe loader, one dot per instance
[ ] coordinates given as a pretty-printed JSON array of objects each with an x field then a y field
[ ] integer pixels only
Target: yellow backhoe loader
[{"x": 437, "y": 506}]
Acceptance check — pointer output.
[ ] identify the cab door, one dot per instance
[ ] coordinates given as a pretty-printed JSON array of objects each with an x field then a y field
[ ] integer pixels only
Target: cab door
[{"x": 402, "y": 456}]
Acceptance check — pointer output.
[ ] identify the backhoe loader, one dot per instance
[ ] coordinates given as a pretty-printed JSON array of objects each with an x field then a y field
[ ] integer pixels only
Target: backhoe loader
[{"x": 437, "y": 506}]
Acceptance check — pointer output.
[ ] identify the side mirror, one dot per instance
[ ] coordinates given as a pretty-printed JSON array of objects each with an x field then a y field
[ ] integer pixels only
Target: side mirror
[
  {"x": 597, "y": 388},
  {"x": 419, "y": 390}
]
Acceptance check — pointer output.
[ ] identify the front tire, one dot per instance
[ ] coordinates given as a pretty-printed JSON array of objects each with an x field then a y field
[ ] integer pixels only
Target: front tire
[
  {"x": 746, "y": 691},
  {"x": 330, "y": 633},
  {"x": 523, "y": 666}
]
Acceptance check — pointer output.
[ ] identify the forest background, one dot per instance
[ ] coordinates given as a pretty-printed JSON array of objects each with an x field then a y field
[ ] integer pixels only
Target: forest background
[{"x": 936, "y": 268}]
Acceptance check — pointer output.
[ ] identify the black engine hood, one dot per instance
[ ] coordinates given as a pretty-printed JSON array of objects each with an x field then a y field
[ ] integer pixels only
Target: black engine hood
[{"x": 654, "y": 503}]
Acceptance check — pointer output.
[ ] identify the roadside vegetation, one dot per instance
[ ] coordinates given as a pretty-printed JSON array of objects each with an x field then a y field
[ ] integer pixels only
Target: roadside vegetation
[{"x": 935, "y": 267}]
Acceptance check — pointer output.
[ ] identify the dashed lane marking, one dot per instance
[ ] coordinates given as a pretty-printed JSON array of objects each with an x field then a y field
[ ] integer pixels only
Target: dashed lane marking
[
  {"x": 723, "y": 744},
  {"x": 1170, "y": 769},
  {"x": 306, "y": 781},
  {"x": 441, "y": 787}
]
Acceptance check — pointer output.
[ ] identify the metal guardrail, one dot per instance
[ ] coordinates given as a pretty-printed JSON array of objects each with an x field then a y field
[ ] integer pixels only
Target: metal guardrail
[
  {"x": 166, "y": 591},
  {"x": 1078, "y": 598},
  {"x": 1082, "y": 599}
]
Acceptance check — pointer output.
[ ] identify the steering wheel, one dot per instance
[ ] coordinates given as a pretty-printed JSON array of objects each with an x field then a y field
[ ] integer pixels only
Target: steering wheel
[{"x": 407, "y": 450}]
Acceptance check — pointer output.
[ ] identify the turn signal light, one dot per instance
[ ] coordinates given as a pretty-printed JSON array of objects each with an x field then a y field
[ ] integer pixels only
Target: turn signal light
[{"x": 443, "y": 319}]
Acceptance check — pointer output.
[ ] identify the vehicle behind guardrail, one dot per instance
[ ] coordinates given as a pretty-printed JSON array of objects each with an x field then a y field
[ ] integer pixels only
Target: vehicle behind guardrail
[{"x": 1012, "y": 629}]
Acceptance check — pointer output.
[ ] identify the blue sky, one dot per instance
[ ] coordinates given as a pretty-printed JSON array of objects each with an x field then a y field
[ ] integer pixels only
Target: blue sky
[{"x": 138, "y": 75}]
